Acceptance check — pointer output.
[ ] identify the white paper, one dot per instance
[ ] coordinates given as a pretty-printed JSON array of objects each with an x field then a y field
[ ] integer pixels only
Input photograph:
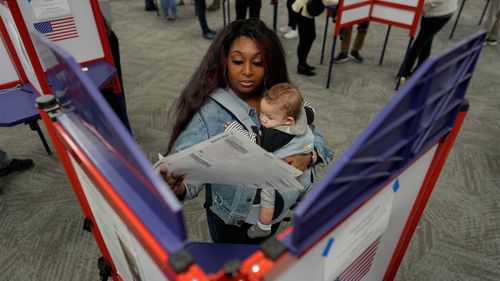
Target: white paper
[
  {"x": 231, "y": 158},
  {"x": 358, "y": 232},
  {"x": 47, "y": 9}
]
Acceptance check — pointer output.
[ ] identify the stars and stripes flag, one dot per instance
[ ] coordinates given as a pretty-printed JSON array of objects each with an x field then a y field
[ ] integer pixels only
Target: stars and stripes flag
[
  {"x": 360, "y": 266},
  {"x": 59, "y": 29}
]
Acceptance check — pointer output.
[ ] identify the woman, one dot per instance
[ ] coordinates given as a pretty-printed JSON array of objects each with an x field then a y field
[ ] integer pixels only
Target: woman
[
  {"x": 436, "y": 13},
  {"x": 245, "y": 59}
]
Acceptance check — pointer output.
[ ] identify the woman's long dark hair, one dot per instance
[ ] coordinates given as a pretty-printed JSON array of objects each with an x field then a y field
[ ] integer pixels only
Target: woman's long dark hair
[{"x": 212, "y": 71}]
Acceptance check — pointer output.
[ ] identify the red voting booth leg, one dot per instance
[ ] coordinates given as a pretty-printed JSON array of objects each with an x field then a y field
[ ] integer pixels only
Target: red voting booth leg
[{"x": 423, "y": 197}]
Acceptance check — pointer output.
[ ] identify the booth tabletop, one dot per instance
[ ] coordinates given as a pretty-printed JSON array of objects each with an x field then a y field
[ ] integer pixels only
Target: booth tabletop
[
  {"x": 17, "y": 105},
  {"x": 100, "y": 73}
]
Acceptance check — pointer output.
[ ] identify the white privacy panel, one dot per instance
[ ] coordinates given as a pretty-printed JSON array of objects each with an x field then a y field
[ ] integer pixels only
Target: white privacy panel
[
  {"x": 8, "y": 72},
  {"x": 68, "y": 23}
]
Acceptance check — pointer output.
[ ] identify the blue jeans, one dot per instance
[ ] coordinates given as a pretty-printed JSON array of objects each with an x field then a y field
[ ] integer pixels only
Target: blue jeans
[
  {"x": 172, "y": 4},
  {"x": 4, "y": 159}
]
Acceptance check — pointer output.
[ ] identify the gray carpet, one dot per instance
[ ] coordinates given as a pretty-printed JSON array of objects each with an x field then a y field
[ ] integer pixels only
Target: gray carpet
[{"x": 458, "y": 237}]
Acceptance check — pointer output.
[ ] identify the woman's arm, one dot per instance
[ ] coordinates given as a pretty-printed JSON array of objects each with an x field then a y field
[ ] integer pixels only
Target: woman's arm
[
  {"x": 320, "y": 155},
  {"x": 325, "y": 154},
  {"x": 194, "y": 133}
]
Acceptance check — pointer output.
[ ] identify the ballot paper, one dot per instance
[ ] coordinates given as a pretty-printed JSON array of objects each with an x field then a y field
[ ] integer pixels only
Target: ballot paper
[
  {"x": 231, "y": 158},
  {"x": 47, "y": 9}
]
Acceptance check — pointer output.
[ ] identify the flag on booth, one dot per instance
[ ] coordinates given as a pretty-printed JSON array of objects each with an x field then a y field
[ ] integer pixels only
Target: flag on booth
[
  {"x": 58, "y": 29},
  {"x": 361, "y": 266}
]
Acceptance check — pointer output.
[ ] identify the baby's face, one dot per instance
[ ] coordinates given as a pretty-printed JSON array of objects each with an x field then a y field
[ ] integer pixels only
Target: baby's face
[{"x": 271, "y": 115}]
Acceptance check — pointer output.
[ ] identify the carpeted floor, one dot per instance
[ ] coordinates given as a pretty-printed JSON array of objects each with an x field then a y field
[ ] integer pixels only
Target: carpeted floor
[{"x": 458, "y": 238}]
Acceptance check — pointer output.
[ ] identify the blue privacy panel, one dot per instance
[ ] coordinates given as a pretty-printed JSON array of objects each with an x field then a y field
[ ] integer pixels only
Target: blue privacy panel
[
  {"x": 96, "y": 129},
  {"x": 421, "y": 114}
]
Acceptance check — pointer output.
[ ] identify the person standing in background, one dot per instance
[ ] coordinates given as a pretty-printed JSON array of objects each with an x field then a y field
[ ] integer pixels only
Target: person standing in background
[
  {"x": 492, "y": 22},
  {"x": 200, "y": 8},
  {"x": 172, "y": 5},
  {"x": 253, "y": 7},
  {"x": 291, "y": 29},
  {"x": 307, "y": 32},
  {"x": 8, "y": 165},
  {"x": 345, "y": 36},
  {"x": 149, "y": 5},
  {"x": 436, "y": 13}
]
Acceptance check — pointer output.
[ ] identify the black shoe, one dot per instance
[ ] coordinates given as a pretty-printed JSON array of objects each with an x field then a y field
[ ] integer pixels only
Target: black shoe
[
  {"x": 150, "y": 9},
  {"x": 16, "y": 165},
  {"x": 356, "y": 57},
  {"x": 310, "y": 66},
  {"x": 304, "y": 70},
  {"x": 340, "y": 58},
  {"x": 209, "y": 35}
]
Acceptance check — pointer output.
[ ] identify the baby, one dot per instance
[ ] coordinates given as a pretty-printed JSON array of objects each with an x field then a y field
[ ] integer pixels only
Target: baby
[{"x": 284, "y": 132}]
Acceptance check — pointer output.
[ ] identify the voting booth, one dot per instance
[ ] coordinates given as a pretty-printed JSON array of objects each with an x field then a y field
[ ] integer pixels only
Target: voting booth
[
  {"x": 354, "y": 225},
  {"x": 75, "y": 25},
  {"x": 400, "y": 13}
]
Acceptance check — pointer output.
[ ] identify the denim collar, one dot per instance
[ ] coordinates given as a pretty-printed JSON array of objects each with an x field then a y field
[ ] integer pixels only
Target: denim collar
[{"x": 234, "y": 104}]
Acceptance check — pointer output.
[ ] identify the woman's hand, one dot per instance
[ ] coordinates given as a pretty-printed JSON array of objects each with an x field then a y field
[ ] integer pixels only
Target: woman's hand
[
  {"x": 175, "y": 181},
  {"x": 299, "y": 161}
]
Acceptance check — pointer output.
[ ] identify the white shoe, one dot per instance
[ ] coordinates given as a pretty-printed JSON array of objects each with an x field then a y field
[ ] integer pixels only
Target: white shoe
[
  {"x": 291, "y": 34},
  {"x": 491, "y": 42},
  {"x": 284, "y": 29}
]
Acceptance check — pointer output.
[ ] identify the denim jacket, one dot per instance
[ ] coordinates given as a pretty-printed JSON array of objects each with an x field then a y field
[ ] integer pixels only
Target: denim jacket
[{"x": 234, "y": 204}]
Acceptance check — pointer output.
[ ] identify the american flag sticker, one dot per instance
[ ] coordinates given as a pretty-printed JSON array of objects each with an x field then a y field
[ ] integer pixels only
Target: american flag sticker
[
  {"x": 361, "y": 266},
  {"x": 59, "y": 29}
]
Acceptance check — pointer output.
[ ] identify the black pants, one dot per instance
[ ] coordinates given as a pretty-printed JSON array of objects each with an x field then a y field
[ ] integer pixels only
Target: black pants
[
  {"x": 223, "y": 233},
  {"x": 307, "y": 34},
  {"x": 292, "y": 15},
  {"x": 421, "y": 48},
  {"x": 117, "y": 101},
  {"x": 252, "y": 5},
  {"x": 149, "y": 4},
  {"x": 200, "y": 8}
]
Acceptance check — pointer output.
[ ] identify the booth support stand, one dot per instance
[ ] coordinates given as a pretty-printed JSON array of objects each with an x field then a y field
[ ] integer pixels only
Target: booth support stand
[
  {"x": 330, "y": 68},
  {"x": 228, "y": 21},
  {"x": 484, "y": 12},
  {"x": 456, "y": 20},
  {"x": 35, "y": 127},
  {"x": 324, "y": 35},
  {"x": 385, "y": 44},
  {"x": 275, "y": 13}
]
